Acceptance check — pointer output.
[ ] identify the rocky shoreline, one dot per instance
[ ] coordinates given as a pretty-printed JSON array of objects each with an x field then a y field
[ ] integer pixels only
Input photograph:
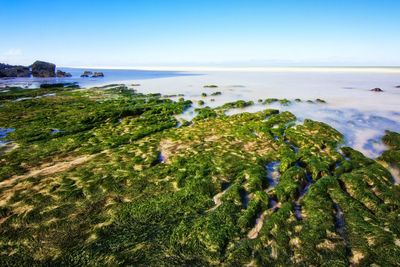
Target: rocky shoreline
[{"x": 40, "y": 69}]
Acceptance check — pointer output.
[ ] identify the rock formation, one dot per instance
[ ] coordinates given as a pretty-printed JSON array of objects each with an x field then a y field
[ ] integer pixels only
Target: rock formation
[
  {"x": 43, "y": 69},
  {"x": 63, "y": 74},
  {"x": 14, "y": 71},
  {"x": 86, "y": 74},
  {"x": 89, "y": 74},
  {"x": 98, "y": 74}
]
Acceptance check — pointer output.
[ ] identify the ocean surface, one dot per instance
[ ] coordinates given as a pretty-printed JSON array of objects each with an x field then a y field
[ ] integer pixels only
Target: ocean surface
[
  {"x": 110, "y": 76},
  {"x": 360, "y": 114}
]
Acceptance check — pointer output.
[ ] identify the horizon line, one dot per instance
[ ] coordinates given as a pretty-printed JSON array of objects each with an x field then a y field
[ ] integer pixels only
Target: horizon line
[{"x": 388, "y": 69}]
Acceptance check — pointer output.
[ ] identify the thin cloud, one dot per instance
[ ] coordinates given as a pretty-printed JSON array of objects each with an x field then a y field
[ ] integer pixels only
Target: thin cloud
[{"x": 13, "y": 52}]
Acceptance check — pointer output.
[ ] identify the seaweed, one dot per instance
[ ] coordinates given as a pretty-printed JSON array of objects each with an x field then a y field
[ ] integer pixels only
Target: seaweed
[{"x": 119, "y": 183}]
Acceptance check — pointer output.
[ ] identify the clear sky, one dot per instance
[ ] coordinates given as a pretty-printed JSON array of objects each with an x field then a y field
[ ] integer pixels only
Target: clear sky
[{"x": 201, "y": 32}]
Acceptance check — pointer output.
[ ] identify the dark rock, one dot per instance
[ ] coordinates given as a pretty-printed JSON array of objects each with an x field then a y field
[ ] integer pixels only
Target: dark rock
[
  {"x": 98, "y": 74},
  {"x": 376, "y": 90},
  {"x": 10, "y": 71},
  {"x": 86, "y": 74},
  {"x": 43, "y": 69},
  {"x": 63, "y": 74},
  {"x": 398, "y": 86},
  {"x": 59, "y": 85}
]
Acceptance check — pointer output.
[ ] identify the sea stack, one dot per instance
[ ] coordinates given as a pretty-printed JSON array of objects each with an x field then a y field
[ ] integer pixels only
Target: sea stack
[
  {"x": 63, "y": 74},
  {"x": 43, "y": 69},
  {"x": 98, "y": 74}
]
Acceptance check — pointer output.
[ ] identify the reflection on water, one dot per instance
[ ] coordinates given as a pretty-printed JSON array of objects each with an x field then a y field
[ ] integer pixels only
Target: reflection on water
[{"x": 3, "y": 134}]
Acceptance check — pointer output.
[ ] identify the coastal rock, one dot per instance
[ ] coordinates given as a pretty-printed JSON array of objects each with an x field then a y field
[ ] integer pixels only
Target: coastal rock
[
  {"x": 376, "y": 90},
  {"x": 398, "y": 86},
  {"x": 43, "y": 69},
  {"x": 86, "y": 74},
  {"x": 63, "y": 74},
  {"x": 8, "y": 71},
  {"x": 59, "y": 85},
  {"x": 98, "y": 75}
]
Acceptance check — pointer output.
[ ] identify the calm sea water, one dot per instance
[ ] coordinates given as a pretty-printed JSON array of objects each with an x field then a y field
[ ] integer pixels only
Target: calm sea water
[
  {"x": 361, "y": 115},
  {"x": 110, "y": 76}
]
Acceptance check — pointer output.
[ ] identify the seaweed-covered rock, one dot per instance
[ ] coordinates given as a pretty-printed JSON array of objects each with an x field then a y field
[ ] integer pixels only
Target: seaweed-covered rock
[
  {"x": 107, "y": 176},
  {"x": 205, "y": 113},
  {"x": 392, "y": 155},
  {"x": 237, "y": 104},
  {"x": 216, "y": 93}
]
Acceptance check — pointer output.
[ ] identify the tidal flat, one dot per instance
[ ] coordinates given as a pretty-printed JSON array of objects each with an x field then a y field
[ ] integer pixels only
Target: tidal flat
[{"x": 111, "y": 176}]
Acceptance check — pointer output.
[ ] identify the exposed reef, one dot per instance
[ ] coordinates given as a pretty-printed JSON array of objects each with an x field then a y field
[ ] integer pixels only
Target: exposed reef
[
  {"x": 108, "y": 176},
  {"x": 89, "y": 74}
]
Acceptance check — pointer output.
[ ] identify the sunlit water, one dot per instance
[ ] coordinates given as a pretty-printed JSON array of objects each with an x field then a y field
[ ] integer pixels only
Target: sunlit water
[{"x": 361, "y": 115}]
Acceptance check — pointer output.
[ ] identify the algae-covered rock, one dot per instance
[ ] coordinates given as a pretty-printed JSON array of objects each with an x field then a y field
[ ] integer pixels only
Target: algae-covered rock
[
  {"x": 290, "y": 183},
  {"x": 121, "y": 182},
  {"x": 237, "y": 104}
]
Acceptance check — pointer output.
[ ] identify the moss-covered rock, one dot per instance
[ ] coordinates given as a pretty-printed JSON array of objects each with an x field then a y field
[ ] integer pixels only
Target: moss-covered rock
[{"x": 107, "y": 176}]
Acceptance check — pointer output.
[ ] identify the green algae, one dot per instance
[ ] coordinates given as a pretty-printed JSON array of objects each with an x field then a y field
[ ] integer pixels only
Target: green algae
[
  {"x": 392, "y": 155},
  {"x": 140, "y": 191},
  {"x": 237, "y": 104},
  {"x": 216, "y": 93}
]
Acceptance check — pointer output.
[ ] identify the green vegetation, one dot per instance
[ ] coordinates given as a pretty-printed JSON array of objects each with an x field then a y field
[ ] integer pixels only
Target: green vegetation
[
  {"x": 284, "y": 102},
  {"x": 237, "y": 104},
  {"x": 105, "y": 177},
  {"x": 318, "y": 100},
  {"x": 216, "y": 93},
  {"x": 270, "y": 100}
]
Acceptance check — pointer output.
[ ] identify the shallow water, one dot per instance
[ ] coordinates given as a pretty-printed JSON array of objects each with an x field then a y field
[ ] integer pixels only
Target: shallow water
[
  {"x": 110, "y": 76},
  {"x": 361, "y": 115},
  {"x": 273, "y": 174},
  {"x": 3, "y": 135}
]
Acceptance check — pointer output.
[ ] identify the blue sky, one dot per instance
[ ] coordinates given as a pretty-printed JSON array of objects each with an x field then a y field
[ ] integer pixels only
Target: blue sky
[{"x": 201, "y": 32}]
